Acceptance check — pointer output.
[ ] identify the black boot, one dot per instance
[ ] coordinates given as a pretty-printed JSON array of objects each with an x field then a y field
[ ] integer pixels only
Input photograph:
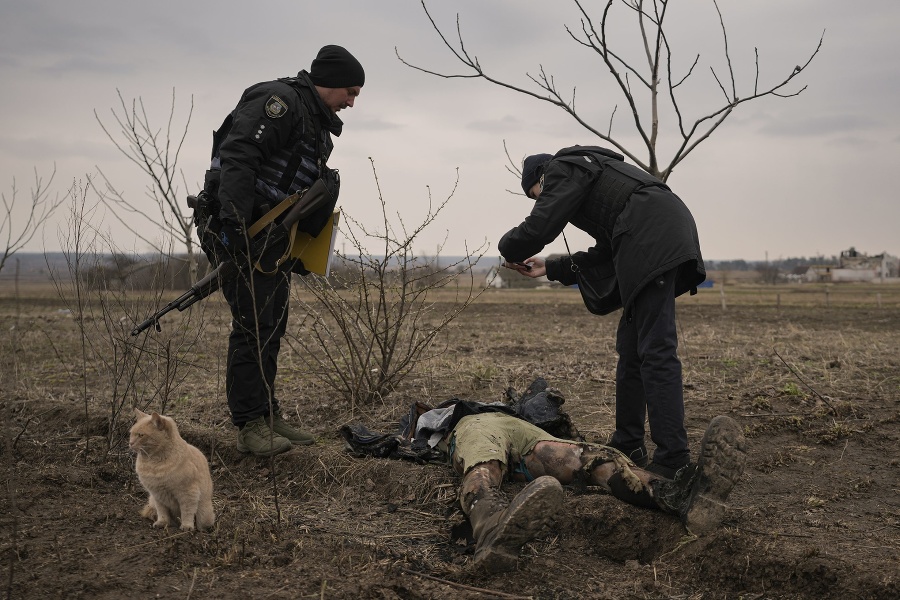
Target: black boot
[
  {"x": 501, "y": 531},
  {"x": 698, "y": 492}
]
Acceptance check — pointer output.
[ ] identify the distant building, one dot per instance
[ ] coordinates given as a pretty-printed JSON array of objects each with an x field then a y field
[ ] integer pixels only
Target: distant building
[
  {"x": 494, "y": 279},
  {"x": 503, "y": 278},
  {"x": 856, "y": 266},
  {"x": 798, "y": 274},
  {"x": 819, "y": 273}
]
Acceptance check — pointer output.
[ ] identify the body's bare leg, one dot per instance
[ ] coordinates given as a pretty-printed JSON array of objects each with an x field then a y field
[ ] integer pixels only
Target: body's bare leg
[
  {"x": 478, "y": 482},
  {"x": 556, "y": 459},
  {"x": 599, "y": 466}
]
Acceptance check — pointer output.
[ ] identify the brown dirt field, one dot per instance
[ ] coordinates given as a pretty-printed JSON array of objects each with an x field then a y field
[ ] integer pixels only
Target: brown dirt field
[{"x": 816, "y": 514}]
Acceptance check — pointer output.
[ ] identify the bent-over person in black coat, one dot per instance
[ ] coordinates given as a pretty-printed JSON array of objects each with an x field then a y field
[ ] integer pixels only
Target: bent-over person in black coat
[{"x": 647, "y": 253}]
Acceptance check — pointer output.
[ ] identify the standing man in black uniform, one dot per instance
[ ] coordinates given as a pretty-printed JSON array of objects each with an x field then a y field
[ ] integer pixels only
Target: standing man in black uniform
[
  {"x": 274, "y": 143},
  {"x": 647, "y": 252}
]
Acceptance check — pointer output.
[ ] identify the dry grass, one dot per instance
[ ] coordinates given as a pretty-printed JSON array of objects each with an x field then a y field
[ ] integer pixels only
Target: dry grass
[{"x": 815, "y": 515}]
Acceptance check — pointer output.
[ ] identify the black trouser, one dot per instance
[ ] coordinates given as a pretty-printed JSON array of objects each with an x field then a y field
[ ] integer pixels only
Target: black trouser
[
  {"x": 648, "y": 375},
  {"x": 259, "y": 314}
]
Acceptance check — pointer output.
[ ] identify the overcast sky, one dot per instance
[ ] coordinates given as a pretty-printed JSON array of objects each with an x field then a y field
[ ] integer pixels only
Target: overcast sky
[{"x": 801, "y": 176}]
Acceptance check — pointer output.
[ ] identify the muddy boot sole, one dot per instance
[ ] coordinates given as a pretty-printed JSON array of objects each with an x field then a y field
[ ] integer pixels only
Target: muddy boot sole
[
  {"x": 721, "y": 463},
  {"x": 529, "y": 512}
]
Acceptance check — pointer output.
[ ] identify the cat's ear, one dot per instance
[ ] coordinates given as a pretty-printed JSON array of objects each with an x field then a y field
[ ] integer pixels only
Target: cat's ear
[
  {"x": 158, "y": 420},
  {"x": 139, "y": 414}
]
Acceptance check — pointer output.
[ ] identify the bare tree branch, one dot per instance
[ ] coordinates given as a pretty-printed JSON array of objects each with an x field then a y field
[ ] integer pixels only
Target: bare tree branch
[
  {"x": 40, "y": 209},
  {"x": 155, "y": 152},
  {"x": 658, "y": 55}
]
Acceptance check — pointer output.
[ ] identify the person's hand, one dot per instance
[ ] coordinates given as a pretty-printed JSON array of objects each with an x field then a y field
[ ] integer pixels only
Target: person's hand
[
  {"x": 533, "y": 267},
  {"x": 233, "y": 240}
]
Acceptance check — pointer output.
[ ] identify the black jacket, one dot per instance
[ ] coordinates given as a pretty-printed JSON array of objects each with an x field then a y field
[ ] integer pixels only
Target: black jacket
[
  {"x": 270, "y": 132},
  {"x": 641, "y": 228}
]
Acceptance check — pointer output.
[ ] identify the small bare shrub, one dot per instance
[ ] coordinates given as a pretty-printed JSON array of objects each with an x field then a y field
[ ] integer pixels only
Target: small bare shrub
[{"x": 366, "y": 333}]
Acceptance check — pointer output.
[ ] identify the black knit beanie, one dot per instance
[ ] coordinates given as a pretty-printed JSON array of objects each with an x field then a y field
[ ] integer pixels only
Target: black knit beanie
[
  {"x": 532, "y": 169},
  {"x": 334, "y": 67}
]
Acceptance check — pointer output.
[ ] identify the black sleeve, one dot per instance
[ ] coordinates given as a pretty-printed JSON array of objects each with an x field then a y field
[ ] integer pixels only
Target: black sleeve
[
  {"x": 560, "y": 269},
  {"x": 263, "y": 123},
  {"x": 565, "y": 188}
]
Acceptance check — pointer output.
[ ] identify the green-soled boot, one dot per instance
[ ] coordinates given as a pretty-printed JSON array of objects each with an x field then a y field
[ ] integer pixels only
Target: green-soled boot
[
  {"x": 298, "y": 437},
  {"x": 258, "y": 438}
]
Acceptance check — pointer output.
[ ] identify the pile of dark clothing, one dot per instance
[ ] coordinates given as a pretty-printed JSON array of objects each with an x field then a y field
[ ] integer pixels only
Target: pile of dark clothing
[{"x": 424, "y": 426}]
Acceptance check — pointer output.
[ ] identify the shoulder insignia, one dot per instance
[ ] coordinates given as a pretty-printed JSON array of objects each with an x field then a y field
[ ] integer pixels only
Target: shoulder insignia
[{"x": 275, "y": 107}]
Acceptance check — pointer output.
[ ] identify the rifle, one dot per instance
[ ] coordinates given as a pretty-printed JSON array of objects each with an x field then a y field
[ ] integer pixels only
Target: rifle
[{"x": 295, "y": 208}]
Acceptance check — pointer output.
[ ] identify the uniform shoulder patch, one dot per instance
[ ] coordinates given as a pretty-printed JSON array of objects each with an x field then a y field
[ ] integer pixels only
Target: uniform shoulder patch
[{"x": 275, "y": 107}]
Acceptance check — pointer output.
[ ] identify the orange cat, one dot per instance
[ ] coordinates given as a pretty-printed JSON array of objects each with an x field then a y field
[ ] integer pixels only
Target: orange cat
[{"x": 174, "y": 473}]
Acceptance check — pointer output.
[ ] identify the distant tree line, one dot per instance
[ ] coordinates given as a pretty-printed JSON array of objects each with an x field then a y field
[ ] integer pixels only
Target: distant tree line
[{"x": 781, "y": 264}]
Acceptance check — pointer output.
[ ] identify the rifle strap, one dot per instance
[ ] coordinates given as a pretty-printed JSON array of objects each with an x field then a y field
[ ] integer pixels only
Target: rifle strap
[
  {"x": 283, "y": 257},
  {"x": 273, "y": 214},
  {"x": 270, "y": 217}
]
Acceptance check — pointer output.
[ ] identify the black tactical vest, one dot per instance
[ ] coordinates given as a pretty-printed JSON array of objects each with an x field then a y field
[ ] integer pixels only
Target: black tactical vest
[{"x": 303, "y": 159}]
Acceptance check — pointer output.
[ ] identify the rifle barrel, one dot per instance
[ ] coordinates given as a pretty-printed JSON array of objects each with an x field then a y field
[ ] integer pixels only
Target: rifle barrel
[
  {"x": 154, "y": 318},
  {"x": 317, "y": 195}
]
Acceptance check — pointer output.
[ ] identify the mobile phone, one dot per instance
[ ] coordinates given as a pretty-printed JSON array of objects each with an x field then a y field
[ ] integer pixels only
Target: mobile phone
[{"x": 523, "y": 265}]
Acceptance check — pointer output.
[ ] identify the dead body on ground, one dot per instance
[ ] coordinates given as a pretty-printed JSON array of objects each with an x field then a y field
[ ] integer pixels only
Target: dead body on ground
[{"x": 532, "y": 440}]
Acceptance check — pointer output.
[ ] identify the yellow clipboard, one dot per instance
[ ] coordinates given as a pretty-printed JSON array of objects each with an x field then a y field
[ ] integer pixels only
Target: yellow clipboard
[{"x": 317, "y": 252}]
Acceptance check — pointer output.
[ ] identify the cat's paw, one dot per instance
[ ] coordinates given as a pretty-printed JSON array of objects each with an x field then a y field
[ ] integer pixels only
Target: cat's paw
[
  {"x": 161, "y": 524},
  {"x": 187, "y": 527}
]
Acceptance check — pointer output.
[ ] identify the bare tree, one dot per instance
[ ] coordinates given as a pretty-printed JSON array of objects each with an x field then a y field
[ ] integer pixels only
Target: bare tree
[
  {"x": 41, "y": 208},
  {"x": 156, "y": 153},
  {"x": 652, "y": 84}
]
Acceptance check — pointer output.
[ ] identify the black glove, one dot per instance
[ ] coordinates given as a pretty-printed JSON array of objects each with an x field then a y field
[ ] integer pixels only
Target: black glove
[{"x": 233, "y": 241}]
